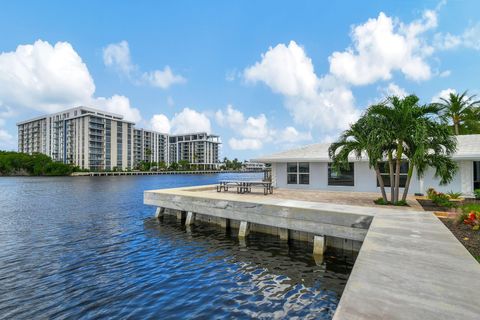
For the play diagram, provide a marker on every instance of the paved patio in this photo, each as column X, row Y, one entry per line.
column 364, row 199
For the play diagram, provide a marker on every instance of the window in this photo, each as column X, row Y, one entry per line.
column 385, row 173
column 342, row 177
column 476, row 175
column 298, row 173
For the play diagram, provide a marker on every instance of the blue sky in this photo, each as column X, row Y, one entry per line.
column 265, row 75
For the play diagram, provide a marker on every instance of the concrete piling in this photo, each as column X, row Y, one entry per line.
column 224, row 222
column 159, row 212
column 244, row 229
column 319, row 245
column 283, row 233
column 190, row 218
column 181, row 215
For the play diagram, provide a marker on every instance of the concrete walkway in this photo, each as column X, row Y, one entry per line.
column 410, row 265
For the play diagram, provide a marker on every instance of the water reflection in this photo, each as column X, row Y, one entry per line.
column 88, row 248
column 264, row 270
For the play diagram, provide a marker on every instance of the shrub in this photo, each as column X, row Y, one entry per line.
column 439, row 198
column 454, row 195
column 380, row 201
column 401, row 203
column 466, row 209
column 430, row 193
column 477, row 193
column 12, row 163
column 473, row 219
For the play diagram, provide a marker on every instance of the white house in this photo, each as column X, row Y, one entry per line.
column 308, row 167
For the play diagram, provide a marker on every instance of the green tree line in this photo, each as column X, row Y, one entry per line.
column 37, row 164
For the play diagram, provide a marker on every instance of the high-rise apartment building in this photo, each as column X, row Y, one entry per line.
column 200, row 148
column 150, row 146
column 89, row 138
column 97, row 140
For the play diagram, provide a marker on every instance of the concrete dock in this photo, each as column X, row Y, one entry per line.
column 410, row 266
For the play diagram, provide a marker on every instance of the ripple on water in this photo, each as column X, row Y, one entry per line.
column 87, row 248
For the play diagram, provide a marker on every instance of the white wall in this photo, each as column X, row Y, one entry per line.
column 366, row 180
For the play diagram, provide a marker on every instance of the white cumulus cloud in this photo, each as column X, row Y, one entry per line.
column 230, row 117
column 117, row 56
column 189, row 120
column 394, row 90
column 7, row 140
column 324, row 103
column 252, row 132
column 286, row 70
column 118, row 104
column 384, row 45
column 291, row 135
column 443, row 94
column 43, row 77
column 50, row 78
column 245, row 144
column 186, row 121
column 163, row 78
column 445, row 74
column 470, row 38
column 160, row 123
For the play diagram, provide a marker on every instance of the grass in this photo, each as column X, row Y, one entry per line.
column 382, row 202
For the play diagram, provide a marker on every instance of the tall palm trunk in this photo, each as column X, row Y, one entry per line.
column 407, row 183
column 392, row 179
column 380, row 182
column 457, row 131
column 397, row 170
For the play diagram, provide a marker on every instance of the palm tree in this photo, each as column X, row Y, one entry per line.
column 358, row 140
column 462, row 112
column 148, row 153
column 396, row 118
column 415, row 136
column 184, row 164
column 431, row 145
column 174, row 166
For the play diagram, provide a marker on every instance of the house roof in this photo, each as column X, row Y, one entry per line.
column 468, row 148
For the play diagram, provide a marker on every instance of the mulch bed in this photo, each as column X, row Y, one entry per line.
column 464, row 233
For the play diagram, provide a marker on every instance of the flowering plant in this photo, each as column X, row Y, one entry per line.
column 473, row 219
column 439, row 198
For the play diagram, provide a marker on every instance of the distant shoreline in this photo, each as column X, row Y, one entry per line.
column 154, row 173
column 132, row 173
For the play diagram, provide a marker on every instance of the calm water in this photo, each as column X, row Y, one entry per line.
column 88, row 248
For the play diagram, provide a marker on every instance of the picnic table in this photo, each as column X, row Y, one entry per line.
column 245, row 186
